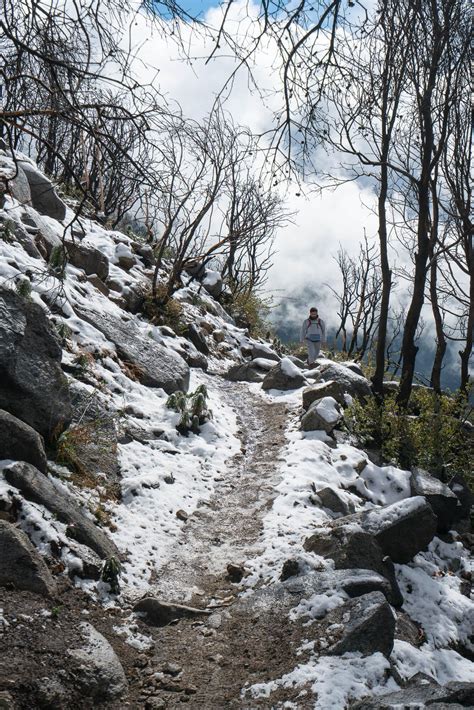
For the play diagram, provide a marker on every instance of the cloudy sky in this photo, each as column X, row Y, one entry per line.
column 304, row 249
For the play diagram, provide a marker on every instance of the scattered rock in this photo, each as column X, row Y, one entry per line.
column 6, row 701
column 351, row 383
column 213, row 283
column 95, row 451
column 99, row 285
column 18, row 185
column 43, row 195
column 19, row 442
column 50, row 693
column 351, row 548
column 444, row 502
column 422, row 692
column 290, row 568
column 235, row 572
column 363, row 625
column 88, row 258
column 195, row 359
column 160, row 613
column 284, row 376
column 219, row 336
column 90, row 563
column 464, row 494
column 258, row 350
column 124, row 257
column 323, row 389
column 99, row 673
column 334, row 501
column 282, row 596
column 323, row 414
column 145, row 251
column 182, row 515
column 32, row 386
column 158, row 366
column 39, row 489
column 402, row 529
column 21, row 565
column 197, row 338
column 407, row 630
column 248, row 372
column 172, row 669
column 133, row 298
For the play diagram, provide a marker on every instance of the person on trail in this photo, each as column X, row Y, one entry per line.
column 313, row 333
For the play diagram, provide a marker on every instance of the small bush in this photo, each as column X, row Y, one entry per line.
column 168, row 313
column 58, row 261
column 250, row 311
column 433, row 433
column 111, row 572
column 23, row 288
column 193, row 409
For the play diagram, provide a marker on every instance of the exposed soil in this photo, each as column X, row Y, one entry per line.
column 211, row 658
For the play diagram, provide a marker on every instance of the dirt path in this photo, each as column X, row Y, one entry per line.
column 225, row 529
column 217, row 656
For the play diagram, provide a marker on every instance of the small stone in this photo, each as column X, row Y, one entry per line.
column 182, row 515
column 235, row 572
column 215, row 621
column 190, row 690
column 172, row 669
column 290, row 569
column 169, row 478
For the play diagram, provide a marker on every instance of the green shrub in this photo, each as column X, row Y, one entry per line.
column 58, row 261
column 433, row 433
column 23, row 288
column 192, row 407
column 111, row 572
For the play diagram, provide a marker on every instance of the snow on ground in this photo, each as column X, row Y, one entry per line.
column 431, row 590
column 164, row 476
column 334, row 681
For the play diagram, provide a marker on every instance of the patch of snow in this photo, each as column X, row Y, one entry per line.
column 211, row 278
column 334, row 681
column 432, row 595
column 318, row 605
column 328, row 409
column 132, row 636
column 289, row 368
column 443, row 665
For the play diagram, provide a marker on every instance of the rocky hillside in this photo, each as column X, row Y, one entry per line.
column 183, row 515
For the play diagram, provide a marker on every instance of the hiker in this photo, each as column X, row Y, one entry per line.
column 313, row 333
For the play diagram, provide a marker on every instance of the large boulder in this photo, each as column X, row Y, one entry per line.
column 364, row 625
column 21, row 565
column 282, row 596
column 323, row 389
column 284, row 376
column 402, row 529
column 88, row 258
column 36, row 487
column 444, row 502
column 32, row 385
column 324, row 414
column 351, row 548
column 351, row 383
column 18, row 441
column 95, row 452
column 98, row 672
column 157, row 365
column 43, row 194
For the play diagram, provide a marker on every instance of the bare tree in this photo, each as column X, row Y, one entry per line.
column 359, row 299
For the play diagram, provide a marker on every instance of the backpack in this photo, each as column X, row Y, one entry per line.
column 314, row 337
